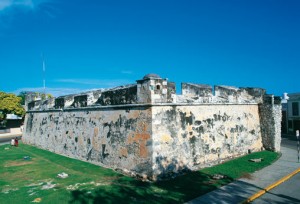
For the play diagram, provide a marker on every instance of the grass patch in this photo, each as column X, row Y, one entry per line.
column 240, row 167
column 23, row 181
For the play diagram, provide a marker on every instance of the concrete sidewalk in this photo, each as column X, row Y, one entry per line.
column 242, row 189
column 5, row 138
column 9, row 135
column 12, row 132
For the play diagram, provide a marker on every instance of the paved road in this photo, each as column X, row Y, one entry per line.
column 287, row 192
column 289, row 141
column 242, row 189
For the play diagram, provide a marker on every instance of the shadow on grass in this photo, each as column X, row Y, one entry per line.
column 178, row 190
column 128, row 190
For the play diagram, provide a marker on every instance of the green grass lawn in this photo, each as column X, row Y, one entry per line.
column 24, row 181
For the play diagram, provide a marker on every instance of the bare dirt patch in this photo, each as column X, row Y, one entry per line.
column 17, row 163
column 247, row 176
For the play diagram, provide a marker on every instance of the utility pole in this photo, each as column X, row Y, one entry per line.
column 298, row 146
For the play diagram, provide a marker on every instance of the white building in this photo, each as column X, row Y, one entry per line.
column 293, row 113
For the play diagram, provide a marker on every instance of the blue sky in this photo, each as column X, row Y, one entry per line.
column 89, row 44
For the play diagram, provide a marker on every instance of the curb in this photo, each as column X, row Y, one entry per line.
column 5, row 136
column 268, row 188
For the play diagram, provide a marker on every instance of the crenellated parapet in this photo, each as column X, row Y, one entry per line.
column 202, row 93
column 230, row 94
column 152, row 89
column 196, row 90
column 118, row 96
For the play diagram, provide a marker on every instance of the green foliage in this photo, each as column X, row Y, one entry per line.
column 239, row 167
column 22, row 181
column 10, row 103
column 22, row 95
column 46, row 96
column 2, row 116
column 49, row 95
column 3, row 123
column 37, row 95
column 43, row 96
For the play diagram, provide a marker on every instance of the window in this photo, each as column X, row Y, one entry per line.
column 295, row 108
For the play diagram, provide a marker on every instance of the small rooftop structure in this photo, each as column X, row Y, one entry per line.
column 151, row 76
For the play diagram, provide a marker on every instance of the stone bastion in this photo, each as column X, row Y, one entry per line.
column 148, row 131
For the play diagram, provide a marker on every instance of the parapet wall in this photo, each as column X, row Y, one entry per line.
column 146, row 130
column 203, row 93
column 147, row 92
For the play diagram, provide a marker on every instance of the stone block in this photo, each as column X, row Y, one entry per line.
column 59, row 103
column 196, row 90
column 80, row 101
column 226, row 94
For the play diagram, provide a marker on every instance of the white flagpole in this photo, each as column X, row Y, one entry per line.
column 44, row 75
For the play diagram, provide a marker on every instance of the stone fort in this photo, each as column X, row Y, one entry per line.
column 148, row 131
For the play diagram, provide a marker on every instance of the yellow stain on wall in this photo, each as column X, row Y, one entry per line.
column 166, row 138
column 96, row 131
column 141, row 139
column 189, row 128
column 95, row 141
column 123, row 152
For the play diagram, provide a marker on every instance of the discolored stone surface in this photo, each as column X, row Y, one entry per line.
column 148, row 131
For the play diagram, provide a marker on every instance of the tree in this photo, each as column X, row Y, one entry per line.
column 22, row 95
column 45, row 96
column 10, row 103
column 36, row 95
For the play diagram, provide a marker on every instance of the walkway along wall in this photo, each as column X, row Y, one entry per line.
column 148, row 131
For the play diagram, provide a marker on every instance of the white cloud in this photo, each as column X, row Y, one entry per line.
column 9, row 9
column 97, row 84
column 54, row 91
column 5, row 4
column 25, row 4
column 105, row 83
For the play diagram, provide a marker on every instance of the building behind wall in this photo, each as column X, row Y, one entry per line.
column 293, row 113
column 146, row 130
column 284, row 121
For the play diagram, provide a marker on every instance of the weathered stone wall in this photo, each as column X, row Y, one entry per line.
column 155, row 90
column 149, row 141
column 147, row 130
column 111, row 137
column 196, row 90
column 201, row 93
column 193, row 137
column 270, row 120
column 119, row 95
